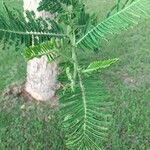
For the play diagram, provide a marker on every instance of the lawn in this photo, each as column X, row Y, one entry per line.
column 27, row 125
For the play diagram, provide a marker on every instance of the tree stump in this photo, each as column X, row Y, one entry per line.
column 41, row 81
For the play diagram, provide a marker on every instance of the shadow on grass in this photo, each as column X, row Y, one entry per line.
column 28, row 125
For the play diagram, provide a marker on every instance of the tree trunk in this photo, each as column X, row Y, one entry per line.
column 41, row 81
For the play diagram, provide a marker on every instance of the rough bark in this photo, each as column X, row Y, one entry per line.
column 41, row 81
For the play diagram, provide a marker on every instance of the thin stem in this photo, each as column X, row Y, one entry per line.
column 81, row 86
column 77, row 72
column 74, row 57
column 33, row 40
column 84, row 99
column 33, row 33
column 74, row 64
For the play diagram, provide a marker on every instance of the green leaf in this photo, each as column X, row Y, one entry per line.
column 119, row 6
column 97, row 65
column 50, row 49
column 14, row 26
column 86, row 114
column 53, row 49
column 123, row 19
column 54, row 6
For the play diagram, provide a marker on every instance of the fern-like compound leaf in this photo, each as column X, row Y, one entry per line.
column 53, row 48
column 97, row 65
column 86, row 115
column 55, row 6
column 123, row 19
column 50, row 49
column 14, row 26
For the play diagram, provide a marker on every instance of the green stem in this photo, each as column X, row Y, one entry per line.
column 84, row 99
column 74, row 64
column 74, row 57
column 77, row 72
column 32, row 33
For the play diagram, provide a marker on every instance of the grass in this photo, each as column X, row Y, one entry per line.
column 33, row 126
column 129, row 84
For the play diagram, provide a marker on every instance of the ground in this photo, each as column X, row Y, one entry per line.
column 29, row 125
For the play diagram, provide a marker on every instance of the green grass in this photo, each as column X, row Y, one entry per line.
column 129, row 84
column 28, row 126
column 33, row 126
